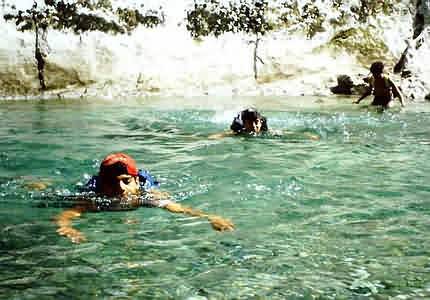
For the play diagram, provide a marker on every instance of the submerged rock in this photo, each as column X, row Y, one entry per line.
column 344, row 85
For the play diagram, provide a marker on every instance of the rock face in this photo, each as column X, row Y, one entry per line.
column 290, row 63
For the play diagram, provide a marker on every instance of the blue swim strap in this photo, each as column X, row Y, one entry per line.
column 147, row 181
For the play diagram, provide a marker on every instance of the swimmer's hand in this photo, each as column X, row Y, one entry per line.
column 311, row 136
column 217, row 136
column 64, row 222
column 221, row 224
column 308, row 135
column 174, row 207
column 37, row 185
column 75, row 236
column 218, row 223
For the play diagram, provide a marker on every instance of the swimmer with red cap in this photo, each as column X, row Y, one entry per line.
column 118, row 176
column 123, row 187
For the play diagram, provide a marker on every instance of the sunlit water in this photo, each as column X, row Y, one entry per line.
column 342, row 217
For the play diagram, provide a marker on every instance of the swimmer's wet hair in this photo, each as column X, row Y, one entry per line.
column 118, row 162
column 112, row 171
column 248, row 114
column 108, row 175
column 377, row 67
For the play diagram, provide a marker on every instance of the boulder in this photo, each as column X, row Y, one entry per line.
column 344, row 85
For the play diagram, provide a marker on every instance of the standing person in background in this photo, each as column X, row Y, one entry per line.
column 382, row 87
column 121, row 186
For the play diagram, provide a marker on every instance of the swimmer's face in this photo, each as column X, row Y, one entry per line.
column 253, row 125
column 122, row 185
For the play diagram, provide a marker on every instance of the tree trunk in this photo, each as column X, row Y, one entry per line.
column 418, row 19
column 40, row 55
column 257, row 40
column 403, row 61
column 421, row 21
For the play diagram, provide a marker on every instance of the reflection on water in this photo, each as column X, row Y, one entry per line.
column 342, row 217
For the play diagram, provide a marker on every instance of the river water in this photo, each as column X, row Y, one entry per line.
column 345, row 216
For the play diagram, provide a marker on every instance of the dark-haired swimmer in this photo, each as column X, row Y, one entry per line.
column 382, row 87
column 121, row 186
column 251, row 122
column 248, row 121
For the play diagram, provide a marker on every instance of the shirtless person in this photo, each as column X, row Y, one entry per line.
column 381, row 87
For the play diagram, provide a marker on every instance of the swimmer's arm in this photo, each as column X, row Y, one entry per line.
column 217, row 136
column 64, row 223
column 311, row 136
column 365, row 94
column 217, row 222
column 308, row 135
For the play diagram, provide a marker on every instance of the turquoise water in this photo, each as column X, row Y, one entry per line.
column 342, row 217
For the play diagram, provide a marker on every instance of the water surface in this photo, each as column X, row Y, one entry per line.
column 342, row 217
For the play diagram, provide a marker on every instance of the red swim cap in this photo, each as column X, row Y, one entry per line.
column 123, row 159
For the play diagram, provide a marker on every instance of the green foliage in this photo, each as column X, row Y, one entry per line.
column 214, row 18
column 92, row 5
column 309, row 17
column 67, row 16
column 77, row 16
column 362, row 42
column 290, row 14
column 28, row 19
column 313, row 19
column 368, row 8
column 363, row 11
column 336, row 4
column 131, row 18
